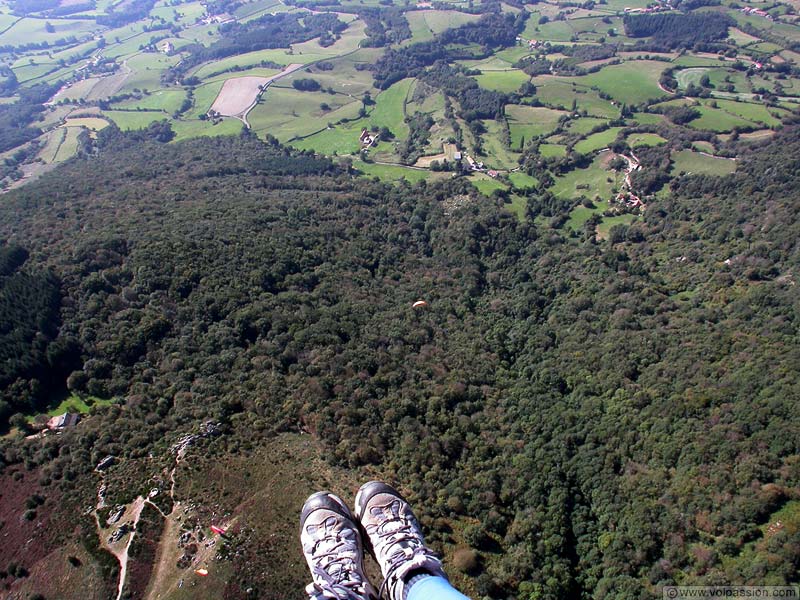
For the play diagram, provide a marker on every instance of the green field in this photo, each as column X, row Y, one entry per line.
column 426, row 23
column 584, row 125
column 204, row 96
column 252, row 72
column 389, row 109
column 596, row 141
column 342, row 139
column 127, row 120
column 146, row 70
column 689, row 60
column 715, row 119
column 75, row 404
column 518, row 206
column 530, row 122
column 53, row 141
column 631, row 82
column 498, row 155
column 690, row 76
column 502, row 81
column 287, row 113
column 250, row 59
column 608, row 222
column 580, row 214
column 485, row 184
column 645, row 139
column 30, row 30
column 395, row 173
column 752, row 112
column 590, row 182
column 703, row 146
column 69, row 145
column 196, row 128
column 553, row 31
column 550, row 150
column 168, row 101
column 522, row 180
column 558, row 92
column 687, row 161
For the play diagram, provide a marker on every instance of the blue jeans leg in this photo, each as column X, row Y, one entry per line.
column 434, row 588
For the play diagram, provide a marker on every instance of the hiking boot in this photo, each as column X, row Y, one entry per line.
column 333, row 550
column 394, row 538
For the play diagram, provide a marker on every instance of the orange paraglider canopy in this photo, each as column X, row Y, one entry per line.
column 202, row 572
column 218, row 530
column 419, row 304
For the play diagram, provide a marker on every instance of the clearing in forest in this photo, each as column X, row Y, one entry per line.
column 239, row 94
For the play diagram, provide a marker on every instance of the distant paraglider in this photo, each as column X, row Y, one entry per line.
column 218, row 530
column 202, row 572
column 419, row 304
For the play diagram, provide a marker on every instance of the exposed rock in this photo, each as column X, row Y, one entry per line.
column 105, row 463
column 116, row 515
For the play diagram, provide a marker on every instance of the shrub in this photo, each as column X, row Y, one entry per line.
column 467, row 560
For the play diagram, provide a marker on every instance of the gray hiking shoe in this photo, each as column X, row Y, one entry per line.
column 333, row 550
column 394, row 537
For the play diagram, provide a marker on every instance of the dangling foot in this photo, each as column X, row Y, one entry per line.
column 333, row 550
column 394, row 537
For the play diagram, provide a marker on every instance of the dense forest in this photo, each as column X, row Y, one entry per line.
column 269, row 31
column 602, row 417
column 673, row 30
column 492, row 31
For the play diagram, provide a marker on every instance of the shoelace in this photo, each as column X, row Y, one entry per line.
column 338, row 580
column 406, row 536
column 398, row 560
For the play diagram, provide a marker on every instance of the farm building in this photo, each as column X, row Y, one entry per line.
column 367, row 139
column 63, row 421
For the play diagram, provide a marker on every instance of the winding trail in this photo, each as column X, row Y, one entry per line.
column 133, row 513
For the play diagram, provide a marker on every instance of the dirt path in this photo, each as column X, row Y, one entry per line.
column 132, row 514
column 167, row 552
column 138, row 505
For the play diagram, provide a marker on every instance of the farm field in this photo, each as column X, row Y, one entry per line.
column 240, row 61
column 30, row 30
column 329, row 120
column 687, row 161
column 714, row 119
column 168, row 101
column 528, row 122
column 645, row 139
column 584, row 125
column 237, row 95
column 631, row 82
column 596, row 141
column 425, row 24
column 485, row 184
column 498, row 155
column 91, row 123
column 502, row 81
column 590, row 182
column 187, row 129
column 396, row 173
column 551, row 150
column 131, row 119
column 608, row 222
column 521, row 180
column 562, row 93
column 287, row 114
